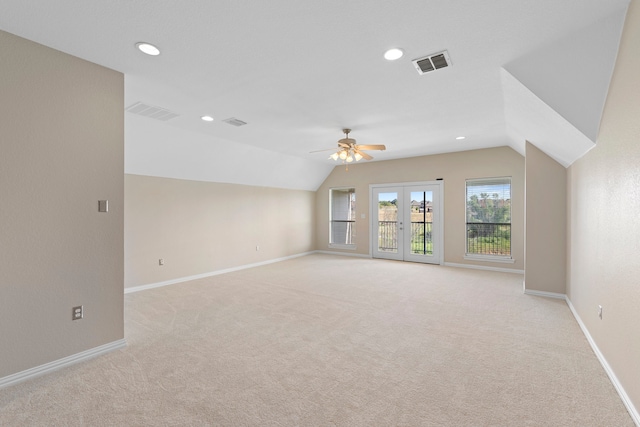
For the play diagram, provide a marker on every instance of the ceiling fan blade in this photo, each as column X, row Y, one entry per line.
column 371, row 147
column 363, row 154
column 326, row 149
column 343, row 145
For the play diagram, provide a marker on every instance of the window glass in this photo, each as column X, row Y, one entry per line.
column 343, row 215
column 488, row 207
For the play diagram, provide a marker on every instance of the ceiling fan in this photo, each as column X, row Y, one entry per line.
column 348, row 150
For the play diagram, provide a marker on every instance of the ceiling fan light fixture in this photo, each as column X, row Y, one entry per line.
column 349, row 152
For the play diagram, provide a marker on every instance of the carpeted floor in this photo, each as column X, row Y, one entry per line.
column 327, row 340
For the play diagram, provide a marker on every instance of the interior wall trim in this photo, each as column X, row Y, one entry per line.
column 483, row 267
column 61, row 363
column 633, row 412
column 343, row 254
column 545, row 294
column 209, row 274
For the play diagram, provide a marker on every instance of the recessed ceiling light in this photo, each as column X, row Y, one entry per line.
column 460, row 137
column 393, row 54
column 207, row 118
column 148, row 48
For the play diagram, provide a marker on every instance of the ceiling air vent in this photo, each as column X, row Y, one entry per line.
column 432, row 62
column 152, row 112
column 235, row 122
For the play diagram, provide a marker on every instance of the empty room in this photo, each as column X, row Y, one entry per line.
column 299, row 213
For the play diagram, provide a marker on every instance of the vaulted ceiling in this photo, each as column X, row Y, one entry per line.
column 298, row 71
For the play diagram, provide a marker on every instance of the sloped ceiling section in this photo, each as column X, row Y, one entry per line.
column 299, row 71
column 167, row 151
column 530, row 119
column 546, row 103
column 186, row 148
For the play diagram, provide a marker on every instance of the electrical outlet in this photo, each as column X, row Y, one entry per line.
column 161, row 261
column 77, row 313
column 600, row 312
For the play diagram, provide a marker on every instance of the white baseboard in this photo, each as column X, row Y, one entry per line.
column 210, row 274
column 60, row 363
column 633, row 412
column 545, row 294
column 483, row 267
column 635, row 416
column 343, row 254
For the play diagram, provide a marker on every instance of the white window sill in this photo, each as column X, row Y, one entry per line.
column 342, row 246
column 490, row 258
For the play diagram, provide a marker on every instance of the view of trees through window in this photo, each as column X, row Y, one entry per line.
column 488, row 206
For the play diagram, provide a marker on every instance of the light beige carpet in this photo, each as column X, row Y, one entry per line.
column 328, row 340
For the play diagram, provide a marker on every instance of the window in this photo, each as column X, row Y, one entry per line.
column 488, row 207
column 343, row 216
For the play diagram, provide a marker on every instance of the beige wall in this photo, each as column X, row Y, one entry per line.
column 201, row 227
column 454, row 168
column 545, row 222
column 61, row 150
column 604, row 210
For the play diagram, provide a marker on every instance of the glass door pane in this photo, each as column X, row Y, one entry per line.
column 422, row 236
column 387, row 223
column 421, row 207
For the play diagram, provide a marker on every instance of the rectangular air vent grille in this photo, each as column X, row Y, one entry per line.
column 432, row 62
column 145, row 110
column 235, row 122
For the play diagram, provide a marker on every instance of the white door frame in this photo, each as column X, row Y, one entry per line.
column 373, row 212
column 375, row 221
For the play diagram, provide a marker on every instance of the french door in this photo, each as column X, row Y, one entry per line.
column 406, row 222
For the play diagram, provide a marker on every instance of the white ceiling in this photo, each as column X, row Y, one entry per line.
column 298, row 71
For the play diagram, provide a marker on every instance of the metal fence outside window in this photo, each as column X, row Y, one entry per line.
column 421, row 237
column 489, row 238
column 388, row 236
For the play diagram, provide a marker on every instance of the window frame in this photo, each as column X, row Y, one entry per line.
column 488, row 257
column 352, row 221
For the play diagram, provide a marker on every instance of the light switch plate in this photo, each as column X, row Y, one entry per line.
column 103, row 206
